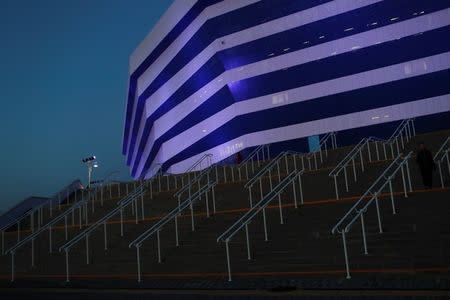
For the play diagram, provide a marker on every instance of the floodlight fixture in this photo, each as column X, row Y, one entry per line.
column 90, row 163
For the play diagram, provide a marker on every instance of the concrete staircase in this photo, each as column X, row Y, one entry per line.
column 416, row 240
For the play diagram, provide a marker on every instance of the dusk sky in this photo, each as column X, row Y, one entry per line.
column 63, row 77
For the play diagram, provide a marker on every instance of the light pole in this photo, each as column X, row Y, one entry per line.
column 90, row 163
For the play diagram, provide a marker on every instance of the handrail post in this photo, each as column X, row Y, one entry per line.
column 79, row 215
column 228, row 260
column 295, row 194
column 207, row 203
column 32, row 252
column 362, row 160
column 121, row 221
column 248, row 242
column 392, row 197
column 65, row 227
column 224, row 174
column 354, row 169
column 448, row 161
column 176, row 230
column 142, row 206
column 336, row 187
column 192, row 217
column 404, row 182
column 408, row 175
column 346, row 180
column 18, row 231
column 378, row 214
column 138, row 256
column 347, row 267
column 440, row 174
column 50, row 238
column 301, row 188
column 3, row 242
column 87, row 249
column 281, row 210
column 67, row 265
column 364, row 234
column 265, row 224
column 104, row 231
column 214, row 198
column 376, row 151
column 159, row 246
column 12, row 266
column 136, row 211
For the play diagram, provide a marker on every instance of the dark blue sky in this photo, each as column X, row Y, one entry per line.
column 63, row 76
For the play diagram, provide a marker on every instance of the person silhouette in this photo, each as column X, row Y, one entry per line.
column 426, row 164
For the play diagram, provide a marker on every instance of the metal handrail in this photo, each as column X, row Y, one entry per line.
column 439, row 158
column 323, row 142
column 357, row 210
column 191, row 182
column 28, row 213
column 348, row 158
column 171, row 215
column 253, row 154
column 406, row 125
column 139, row 191
column 443, row 151
column 199, row 161
column 264, row 170
column 322, row 145
column 252, row 212
column 396, row 164
column 47, row 226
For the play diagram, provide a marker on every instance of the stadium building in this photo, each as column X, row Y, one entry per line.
column 221, row 77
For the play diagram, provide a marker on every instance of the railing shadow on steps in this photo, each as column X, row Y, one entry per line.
column 254, row 210
column 404, row 131
column 357, row 211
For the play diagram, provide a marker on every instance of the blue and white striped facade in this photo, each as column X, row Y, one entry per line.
column 219, row 76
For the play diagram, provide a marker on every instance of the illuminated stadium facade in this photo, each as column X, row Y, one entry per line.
column 223, row 76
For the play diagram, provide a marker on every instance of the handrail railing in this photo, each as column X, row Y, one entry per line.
column 264, row 170
column 403, row 129
column 261, row 150
column 439, row 158
column 49, row 225
column 204, row 157
column 252, row 212
column 360, row 207
column 19, row 219
column 121, row 205
column 131, row 197
column 55, row 220
column 323, row 145
column 172, row 215
column 191, row 182
column 268, row 169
